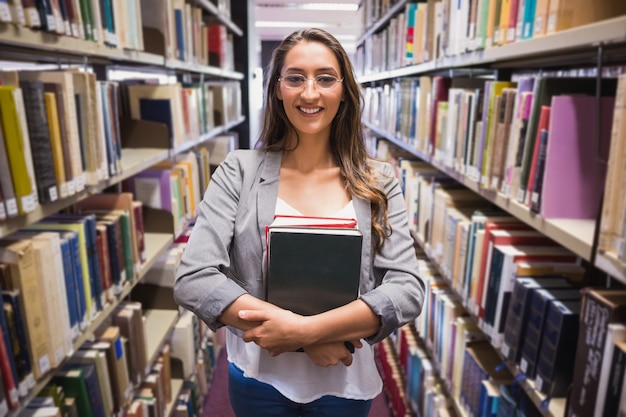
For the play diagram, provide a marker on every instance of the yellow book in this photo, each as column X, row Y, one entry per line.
column 505, row 13
column 14, row 143
column 55, row 142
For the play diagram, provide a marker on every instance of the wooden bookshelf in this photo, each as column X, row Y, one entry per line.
column 158, row 325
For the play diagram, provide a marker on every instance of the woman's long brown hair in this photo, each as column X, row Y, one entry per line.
column 346, row 138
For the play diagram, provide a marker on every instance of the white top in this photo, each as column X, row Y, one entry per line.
column 293, row 374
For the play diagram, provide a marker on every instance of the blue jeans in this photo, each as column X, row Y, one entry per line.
column 252, row 398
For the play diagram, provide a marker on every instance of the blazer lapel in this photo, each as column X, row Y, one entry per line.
column 267, row 195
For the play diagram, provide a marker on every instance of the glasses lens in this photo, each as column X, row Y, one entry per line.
column 294, row 81
column 326, row 81
column 323, row 82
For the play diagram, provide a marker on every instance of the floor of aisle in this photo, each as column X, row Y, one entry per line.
column 217, row 403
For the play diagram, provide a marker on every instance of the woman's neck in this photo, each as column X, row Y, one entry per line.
column 309, row 155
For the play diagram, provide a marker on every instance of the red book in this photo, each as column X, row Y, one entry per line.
column 544, row 124
column 509, row 224
column 440, row 87
column 9, row 383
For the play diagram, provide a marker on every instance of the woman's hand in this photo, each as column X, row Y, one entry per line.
column 332, row 353
column 277, row 331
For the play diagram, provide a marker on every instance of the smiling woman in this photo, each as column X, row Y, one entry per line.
column 311, row 160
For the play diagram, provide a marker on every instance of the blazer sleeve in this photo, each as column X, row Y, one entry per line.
column 399, row 297
column 201, row 284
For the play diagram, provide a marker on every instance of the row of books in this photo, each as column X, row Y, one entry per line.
column 188, row 110
column 33, row 346
column 428, row 30
column 523, row 139
column 65, row 269
column 506, row 286
column 96, row 380
column 111, row 22
column 62, row 131
column 175, row 29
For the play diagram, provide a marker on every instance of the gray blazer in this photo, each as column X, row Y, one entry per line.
column 225, row 255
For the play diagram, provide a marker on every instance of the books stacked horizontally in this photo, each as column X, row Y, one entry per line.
column 314, row 263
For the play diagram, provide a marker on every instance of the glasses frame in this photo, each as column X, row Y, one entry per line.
column 314, row 79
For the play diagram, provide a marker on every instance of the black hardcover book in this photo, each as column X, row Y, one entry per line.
column 540, row 300
column 515, row 330
column 39, row 134
column 312, row 270
column 556, row 356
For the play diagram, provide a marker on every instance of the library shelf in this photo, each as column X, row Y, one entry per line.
column 158, row 325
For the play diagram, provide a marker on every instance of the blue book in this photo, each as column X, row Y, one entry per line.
column 88, row 222
column 180, row 33
column 70, row 285
column 79, row 287
column 157, row 110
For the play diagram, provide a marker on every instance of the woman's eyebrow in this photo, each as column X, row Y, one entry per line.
column 325, row 69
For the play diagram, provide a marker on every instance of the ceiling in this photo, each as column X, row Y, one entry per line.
column 275, row 19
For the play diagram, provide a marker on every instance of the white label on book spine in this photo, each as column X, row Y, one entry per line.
column 23, row 388
column 523, row 365
column 19, row 13
column 505, row 350
column 71, row 187
column 80, row 182
column 510, row 37
column 44, row 364
column 520, row 196
column 14, row 396
column 59, row 354
column 29, row 203
column 5, row 12
column 33, row 15
column 52, row 193
column 4, row 409
column 75, row 31
column 538, row 382
column 63, row 190
column 51, row 25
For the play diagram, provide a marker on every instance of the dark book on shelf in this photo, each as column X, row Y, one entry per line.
column 517, row 313
column 92, row 384
column 540, row 299
column 600, row 307
column 313, row 269
column 39, row 135
column 556, row 356
column 75, row 386
column 157, row 110
column 17, row 331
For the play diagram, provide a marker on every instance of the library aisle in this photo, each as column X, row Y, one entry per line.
column 217, row 403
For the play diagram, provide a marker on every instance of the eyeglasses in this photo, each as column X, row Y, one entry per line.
column 322, row 82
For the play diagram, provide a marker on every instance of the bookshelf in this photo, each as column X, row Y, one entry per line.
column 31, row 48
column 594, row 50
